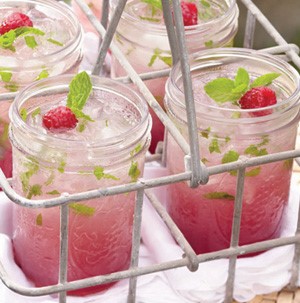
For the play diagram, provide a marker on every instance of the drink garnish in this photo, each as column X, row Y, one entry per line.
column 219, row 195
column 241, row 92
column 59, row 119
column 13, row 21
column 189, row 13
column 159, row 54
column 18, row 25
column 62, row 118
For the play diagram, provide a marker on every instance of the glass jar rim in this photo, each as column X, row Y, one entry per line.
column 234, row 53
column 160, row 28
column 64, row 10
column 104, row 84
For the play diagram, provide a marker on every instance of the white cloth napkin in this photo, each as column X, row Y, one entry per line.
column 262, row 274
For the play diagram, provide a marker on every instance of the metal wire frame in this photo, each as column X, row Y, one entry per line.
column 194, row 173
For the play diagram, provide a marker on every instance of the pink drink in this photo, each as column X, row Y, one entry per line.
column 57, row 51
column 107, row 152
column 95, row 6
column 227, row 133
column 142, row 36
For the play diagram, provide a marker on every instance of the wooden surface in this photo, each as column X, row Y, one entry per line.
column 284, row 296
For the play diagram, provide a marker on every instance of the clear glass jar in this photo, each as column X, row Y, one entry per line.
column 109, row 151
column 58, row 50
column 143, row 38
column 227, row 133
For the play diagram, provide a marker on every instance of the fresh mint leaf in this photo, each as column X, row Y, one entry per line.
column 220, row 90
column 80, row 114
column 134, row 171
column 255, row 151
column 36, row 112
column 30, row 42
column 155, row 4
column 53, row 192
column 264, row 80
column 61, row 166
column 214, row 146
column 288, row 164
column 159, row 54
column 209, row 44
column 253, row 172
column 136, row 150
column 150, row 19
column 5, row 76
column 219, row 195
column 23, row 114
column 43, row 75
column 205, row 133
column 100, row 174
column 242, row 78
column 39, row 220
column 80, row 90
column 205, row 3
column 27, row 30
column 12, row 87
column 7, row 40
column 82, row 209
column 34, row 190
column 230, row 156
column 55, row 42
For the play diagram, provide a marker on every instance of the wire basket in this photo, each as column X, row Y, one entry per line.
column 195, row 174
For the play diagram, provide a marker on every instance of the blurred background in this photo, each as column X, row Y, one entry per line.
column 283, row 14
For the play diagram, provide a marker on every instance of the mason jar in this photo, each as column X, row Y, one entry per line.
column 50, row 47
column 227, row 133
column 105, row 151
column 141, row 35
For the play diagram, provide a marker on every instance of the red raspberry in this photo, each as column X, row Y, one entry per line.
column 189, row 13
column 14, row 21
column 59, row 119
column 258, row 97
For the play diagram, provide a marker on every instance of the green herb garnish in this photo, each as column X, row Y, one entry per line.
column 5, row 76
column 158, row 54
column 134, row 171
column 55, row 42
column 8, row 39
column 34, row 190
column 23, row 114
column 81, row 209
column 53, row 192
column 214, row 146
column 219, row 195
column 155, row 5
column 224, row 90
column 100, row 174
column 80, row 90
column 43, row 74
column 39, row 220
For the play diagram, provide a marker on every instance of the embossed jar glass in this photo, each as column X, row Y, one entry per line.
column 110, row 151
column 143, row 38
column 227, row 133
column 56, row 49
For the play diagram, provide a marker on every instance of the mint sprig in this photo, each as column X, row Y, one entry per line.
column 80, row 90
column 224, row 89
